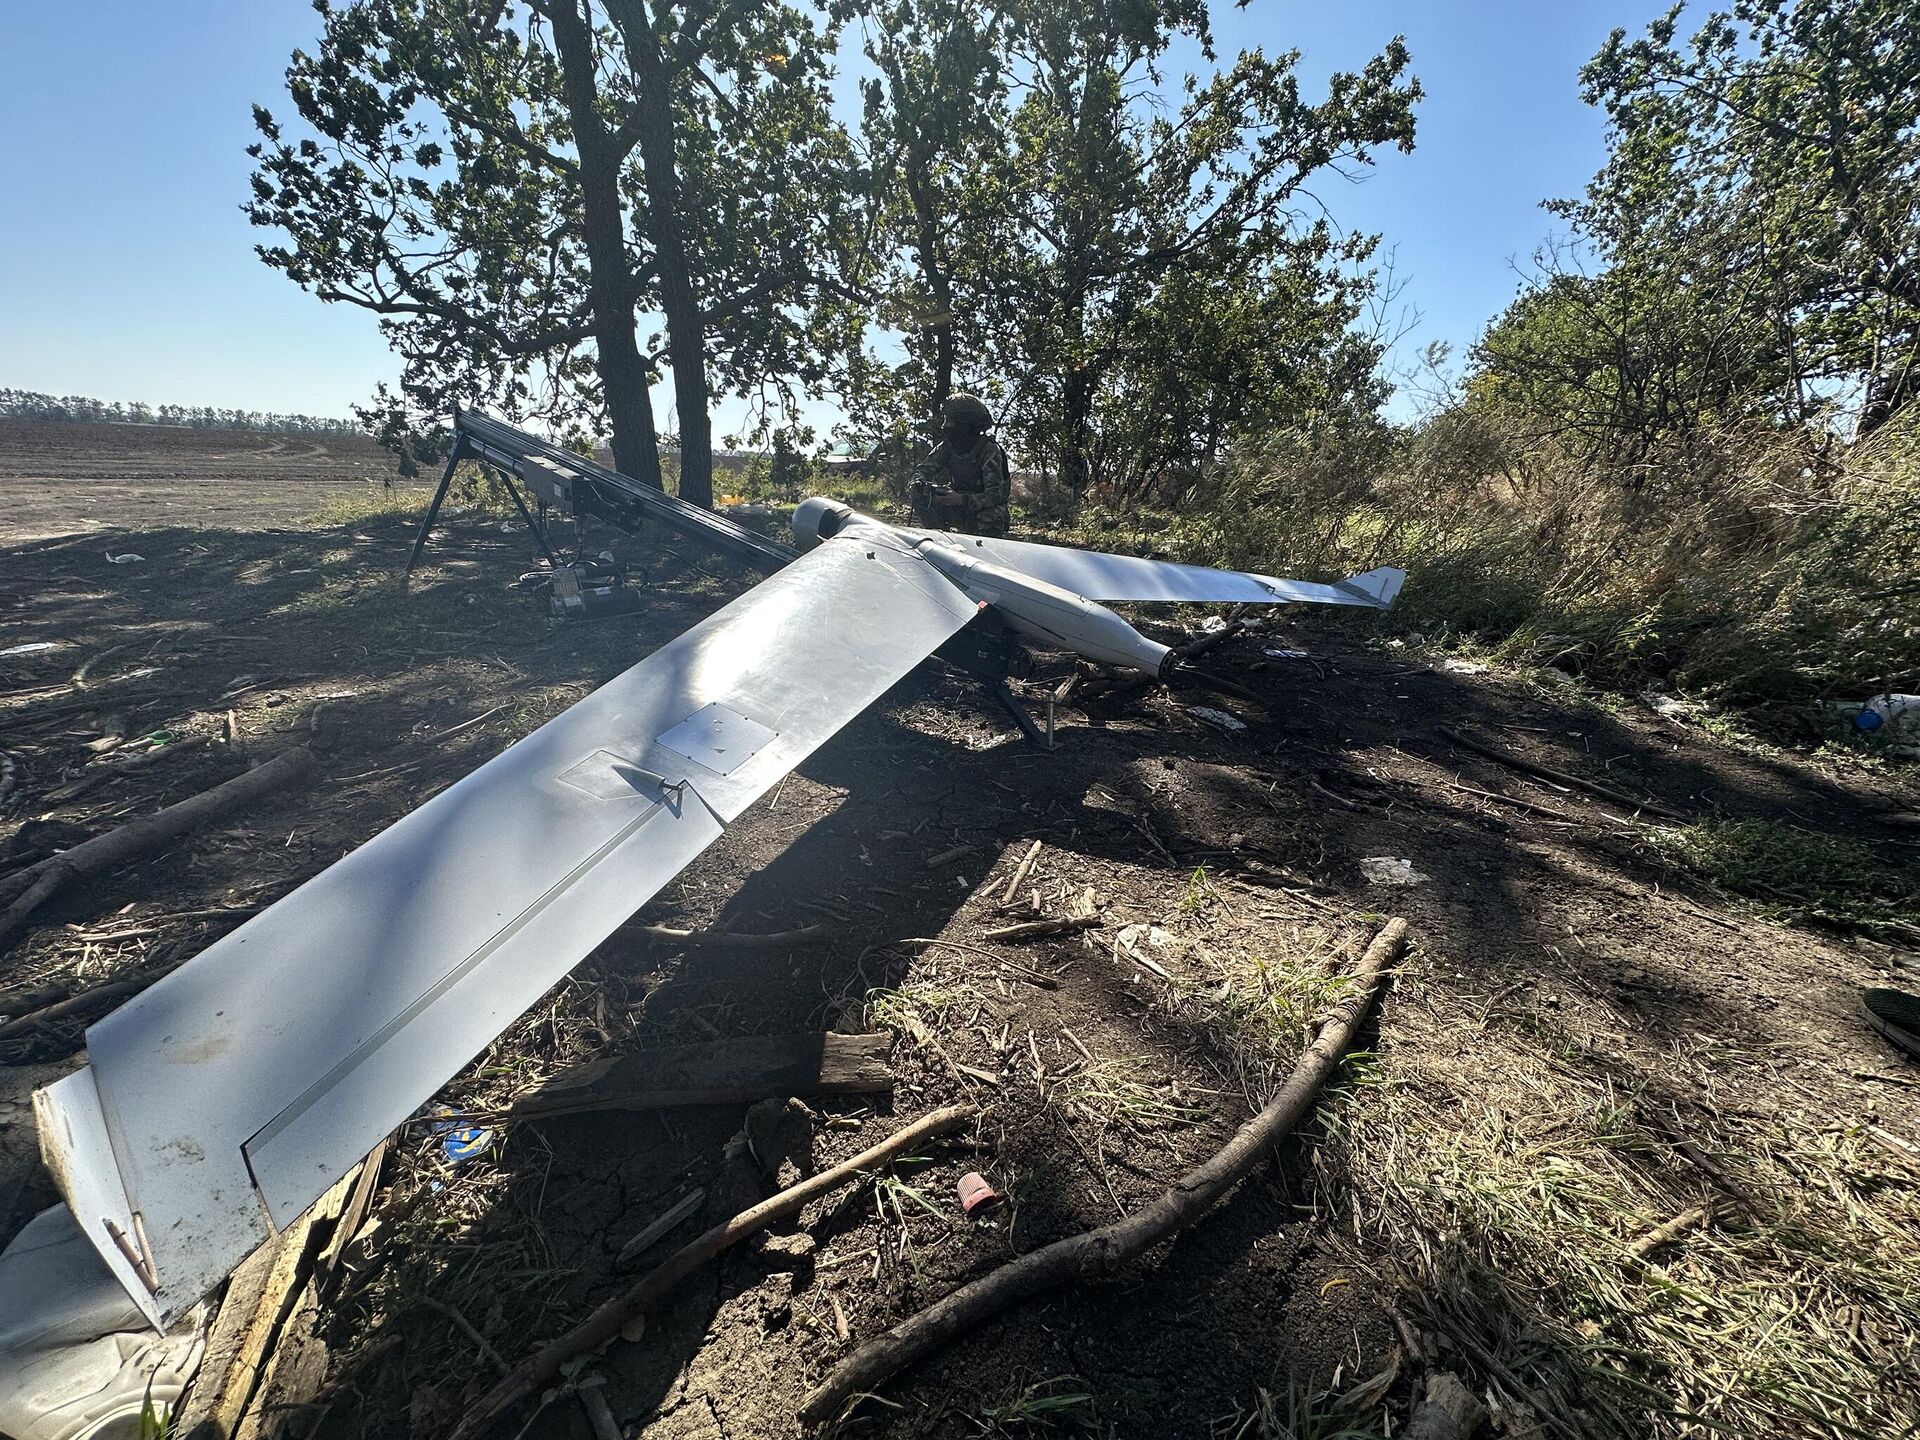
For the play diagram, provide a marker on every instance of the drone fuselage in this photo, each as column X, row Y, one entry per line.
column 1044, row 612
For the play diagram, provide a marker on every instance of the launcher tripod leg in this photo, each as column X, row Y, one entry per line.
column 538, row 527
column 433, row 507
column 1019, row 712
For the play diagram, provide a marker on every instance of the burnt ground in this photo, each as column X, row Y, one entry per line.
column 1585, row 1040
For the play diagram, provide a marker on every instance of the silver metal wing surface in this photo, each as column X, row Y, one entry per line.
column 1099, row 576
column 221, row 1102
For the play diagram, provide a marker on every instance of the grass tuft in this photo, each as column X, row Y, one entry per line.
column 1801, row 876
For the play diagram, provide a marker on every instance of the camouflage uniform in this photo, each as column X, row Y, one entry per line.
column 963, row 484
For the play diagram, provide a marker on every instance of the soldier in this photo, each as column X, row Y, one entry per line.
column 963, row 483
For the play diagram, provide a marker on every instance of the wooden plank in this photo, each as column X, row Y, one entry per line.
column 353, row 1214
column 735, row 1070
column 282, row 1407
column 261, row 1295
column 230, row 1327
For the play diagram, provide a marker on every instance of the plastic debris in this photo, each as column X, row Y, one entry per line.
column 1388, row 870
column 976, row 1194
column 1219, row 719
column 1668, row 708
column 1465, row 667
column 76, row 1357
column 1213, row 624
column 33, row 647
column 127, row 559
column 459, row 1141
column 1155, row 935
column 1890, row 721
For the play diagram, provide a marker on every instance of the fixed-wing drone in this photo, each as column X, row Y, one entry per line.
column 221, row 1102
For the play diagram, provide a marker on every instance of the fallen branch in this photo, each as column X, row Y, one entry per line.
column 73, row 1005
column 135, row 841
column 18, row 1002
column 100, row 774
column 612, row 1318
column 1561, row 777
column 1689, row 1219
column 1209, row 639
column 1033, row 929
column 1020, row 874
column 1099, row 1254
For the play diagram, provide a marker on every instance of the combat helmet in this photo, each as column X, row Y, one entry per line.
column 967, row 410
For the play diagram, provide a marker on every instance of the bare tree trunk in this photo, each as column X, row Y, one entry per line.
column 623, row 374
column 939, row 286
column 1076, row 432
column 686, row 324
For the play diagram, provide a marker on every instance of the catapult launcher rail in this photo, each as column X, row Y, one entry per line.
column 221, row 1101
column 561, row 481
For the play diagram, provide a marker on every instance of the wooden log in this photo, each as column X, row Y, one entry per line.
column 140, row 838
column 73, row 1005
column 1099, row 1254
column 613, row 1318
column 211, row 1410
column 735, row 1070
column 1561, row 777
column 290, row 1383
column 672, row 937
column 21, row 1002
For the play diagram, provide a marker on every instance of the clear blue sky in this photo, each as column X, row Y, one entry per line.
column 127, row 270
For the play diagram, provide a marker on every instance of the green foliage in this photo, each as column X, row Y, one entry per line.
column 1744, row 575
column 1759, row 211
column 32, row 405
column 1130, row 278
column 484, row 195
column 1801, row 875
column 1160, row 291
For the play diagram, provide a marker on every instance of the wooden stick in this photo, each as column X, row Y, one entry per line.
column 100, row 774
column 1689, row 1219
column 137, row 840
column 16, row 1003
column 1020, row 874
column 656, row 1232
column 1098, row 1254
column 1207, row 639
column 611, row 1319
column 1032, row 929
column 1561, row 777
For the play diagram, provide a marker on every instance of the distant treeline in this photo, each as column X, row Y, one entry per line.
column 31, row 405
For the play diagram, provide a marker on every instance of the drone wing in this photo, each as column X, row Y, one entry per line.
column 1099, row 576
column 221, row 1102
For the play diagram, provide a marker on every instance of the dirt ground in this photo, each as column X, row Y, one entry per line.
column 1585, row 1041
column 61, row 478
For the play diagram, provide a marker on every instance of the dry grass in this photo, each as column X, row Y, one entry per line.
column 1499, row 1176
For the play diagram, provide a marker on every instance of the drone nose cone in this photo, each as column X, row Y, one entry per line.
column 819, row 518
